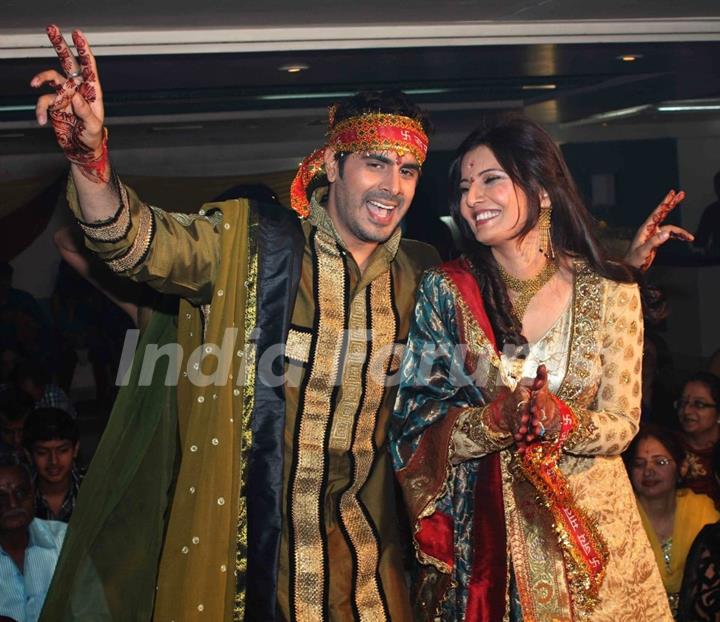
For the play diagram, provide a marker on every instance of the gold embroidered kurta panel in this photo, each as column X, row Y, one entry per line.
column 341, row 555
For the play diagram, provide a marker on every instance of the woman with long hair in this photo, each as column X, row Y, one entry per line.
column 520, row 388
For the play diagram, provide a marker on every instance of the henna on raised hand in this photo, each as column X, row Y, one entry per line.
column 652, row 226
column 69, row 127
column 62, row 50
column 87, row 88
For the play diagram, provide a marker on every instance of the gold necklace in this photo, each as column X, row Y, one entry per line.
column 526, row 288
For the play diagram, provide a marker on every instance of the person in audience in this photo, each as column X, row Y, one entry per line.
column 659, row 381
column 700, row 591
column 23, row 324
column 714, row 363
column 707, row 238
column 33, row 379
column 697, row 411
column 14, row 408
column 8, row 360
column 671, row 516
column 29, row 547
column 51, row 437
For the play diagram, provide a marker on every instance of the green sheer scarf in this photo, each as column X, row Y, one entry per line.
column 108, row 563
column 160, row 527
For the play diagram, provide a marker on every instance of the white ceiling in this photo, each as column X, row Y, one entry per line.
column 162, row 14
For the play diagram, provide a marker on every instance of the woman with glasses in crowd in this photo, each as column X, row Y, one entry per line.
column 671, row 516
column 697, row 411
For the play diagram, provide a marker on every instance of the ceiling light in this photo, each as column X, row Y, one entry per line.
column 689, row 108
column 538, row 87
column 17, row 108
column 623, row 112
column 175, row 128
column 294, row 68
column 337, row 94
column 629, row 58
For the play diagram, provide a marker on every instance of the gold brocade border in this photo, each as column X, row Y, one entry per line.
column 532, row 578
column 475, row 337
column 383, row 329
column 537, row 562
column 297, row 346
column 308, row 571
column 587, row 308
column 139, row 248
column 246, row 375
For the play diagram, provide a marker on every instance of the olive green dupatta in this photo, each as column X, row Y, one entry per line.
column 160, row 525
column 115, row 536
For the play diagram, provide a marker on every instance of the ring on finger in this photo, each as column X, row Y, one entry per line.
column 74, row 74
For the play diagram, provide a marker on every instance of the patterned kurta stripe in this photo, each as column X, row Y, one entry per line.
column 308, row 475
column 369, row 602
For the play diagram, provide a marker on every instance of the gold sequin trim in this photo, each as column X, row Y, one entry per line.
column 247, row 374
column 362, row 537
column 297, row 347
column 579, row 385
column 477, row 428
column 139, row 248
column 308, row 558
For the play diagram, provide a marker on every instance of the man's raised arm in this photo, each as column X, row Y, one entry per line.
column 77, row 114
column 175, row 254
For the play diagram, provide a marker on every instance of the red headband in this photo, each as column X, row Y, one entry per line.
column 373, row 131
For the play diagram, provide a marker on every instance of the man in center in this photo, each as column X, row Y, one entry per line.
column 285, row 477
column 341, row 553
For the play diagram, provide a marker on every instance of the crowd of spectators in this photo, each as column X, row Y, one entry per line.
column 673, row 462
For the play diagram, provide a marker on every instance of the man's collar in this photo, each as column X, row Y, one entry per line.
column 40, row 535
column 321, row 219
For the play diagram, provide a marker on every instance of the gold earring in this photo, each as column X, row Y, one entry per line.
column 544, row 223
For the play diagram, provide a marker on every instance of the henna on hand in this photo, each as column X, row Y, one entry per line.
column 87, row 88
column 61, row 49
column 69, row 127
column 652, row 227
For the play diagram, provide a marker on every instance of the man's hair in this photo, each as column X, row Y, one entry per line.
column 9, row 460
column 14, row 405
column 387, row 102
column 33, row 370
column 49, row 424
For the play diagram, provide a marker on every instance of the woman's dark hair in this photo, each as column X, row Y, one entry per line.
column 711, row 381
column 664, row 436
column 534, row 163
